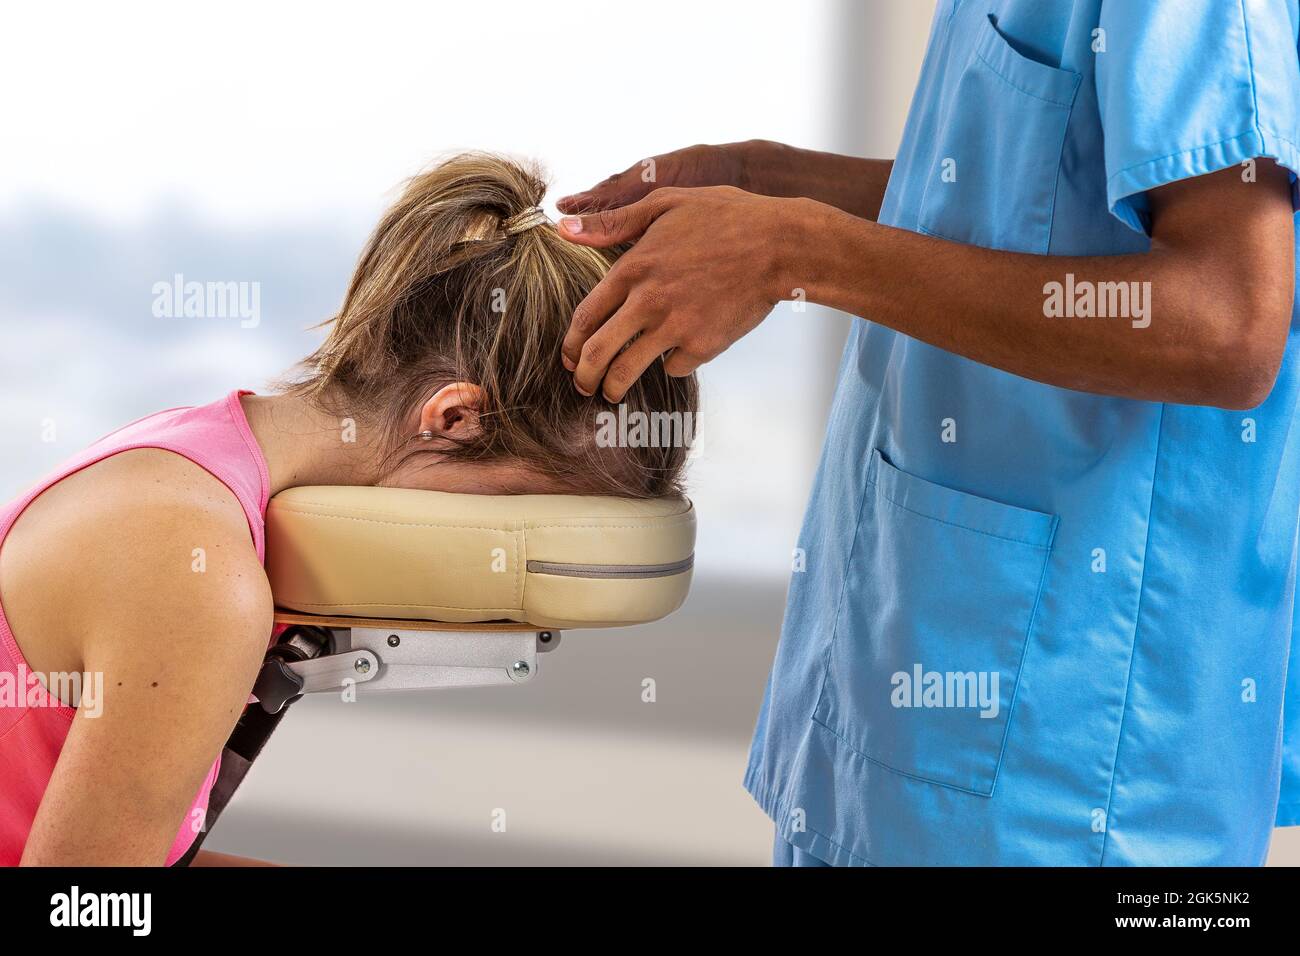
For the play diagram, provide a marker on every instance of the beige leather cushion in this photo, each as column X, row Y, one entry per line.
column 550, row 560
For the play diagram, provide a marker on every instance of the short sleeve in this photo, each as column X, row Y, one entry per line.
column 1188, row 87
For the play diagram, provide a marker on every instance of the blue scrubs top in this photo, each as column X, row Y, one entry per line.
column 1034, row 625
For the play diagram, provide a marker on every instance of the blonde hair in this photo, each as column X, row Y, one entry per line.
column 444, row 293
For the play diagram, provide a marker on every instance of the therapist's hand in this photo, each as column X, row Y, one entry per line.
column 761, row 166
column 705, row 270
column 693, row 166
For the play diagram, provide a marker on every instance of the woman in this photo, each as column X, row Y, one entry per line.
column 140, row 560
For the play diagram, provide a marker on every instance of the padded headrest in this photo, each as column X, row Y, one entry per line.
column 550, row 560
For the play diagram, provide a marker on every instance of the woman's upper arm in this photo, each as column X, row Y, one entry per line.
column 178, row 642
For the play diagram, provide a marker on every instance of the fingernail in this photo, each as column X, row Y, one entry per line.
column 568, row 362
column 568, row 200
column 582, row 391
column 572, row 224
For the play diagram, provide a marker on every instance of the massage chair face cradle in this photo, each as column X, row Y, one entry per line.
column 390, row 589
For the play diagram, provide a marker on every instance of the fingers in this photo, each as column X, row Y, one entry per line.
column 630, row 365
column 602, row 350
column 592, row 313
column 609, row 227
column 618, row 190
column 679, row 363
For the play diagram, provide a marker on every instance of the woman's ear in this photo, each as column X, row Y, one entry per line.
column 452, row 412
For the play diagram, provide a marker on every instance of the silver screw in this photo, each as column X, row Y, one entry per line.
column 519, row 670
column 362, row 666
column 393, row 640
column 545, row 637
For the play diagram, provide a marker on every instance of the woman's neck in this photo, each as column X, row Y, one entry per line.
column 304, row 445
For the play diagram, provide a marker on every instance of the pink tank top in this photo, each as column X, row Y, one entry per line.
column 34, row 725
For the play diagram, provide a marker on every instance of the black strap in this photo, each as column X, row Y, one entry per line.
column 275, row 689
column 246, row 742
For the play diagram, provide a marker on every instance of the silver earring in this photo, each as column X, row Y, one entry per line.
column 425, row 436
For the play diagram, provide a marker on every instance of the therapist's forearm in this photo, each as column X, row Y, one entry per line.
column 1205, row 344
column 849, row 183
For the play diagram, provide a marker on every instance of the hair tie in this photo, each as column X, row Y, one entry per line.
column 486, row 227
column 523, row 221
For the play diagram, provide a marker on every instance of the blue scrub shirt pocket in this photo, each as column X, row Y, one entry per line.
column 998, row 153
column 938, row 604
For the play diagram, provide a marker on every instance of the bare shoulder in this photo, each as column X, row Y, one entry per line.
column 141, row 574
column 140, row 542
